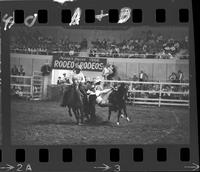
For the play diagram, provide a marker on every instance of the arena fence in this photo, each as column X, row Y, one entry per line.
column 37, row 85
column 147, row 93
column 156, row 93
column 22, row 85
column 28, row 86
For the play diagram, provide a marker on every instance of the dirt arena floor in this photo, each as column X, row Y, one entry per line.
column 46, row 123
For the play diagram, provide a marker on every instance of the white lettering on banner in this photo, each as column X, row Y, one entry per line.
column 85, row 65
column 94, row 66
column 101, row 66
column 64, row 64
column 71, row 64
column 76, row 17
column 33, row 18
column 56, row 62
column 9, row 21
column 67, row 64
column 125, row 14
column 90, row 64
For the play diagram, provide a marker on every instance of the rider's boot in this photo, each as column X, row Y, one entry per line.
column 127, row 118
column 122, row 115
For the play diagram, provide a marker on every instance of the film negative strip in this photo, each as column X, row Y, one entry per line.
column 98, row 86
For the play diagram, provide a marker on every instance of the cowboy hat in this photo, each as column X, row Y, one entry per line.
column 78, row 67
column 88, row 79
column 98, row 79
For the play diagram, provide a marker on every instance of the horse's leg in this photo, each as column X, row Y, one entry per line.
column 87, row 111
column 86, row 114
column 81, row 114
column 93, row 112
column 69, row 110
column 125, row 112
column 119, row 114
column 64, row 99
column 92, row 108
column 76, row 115
column 109, row 113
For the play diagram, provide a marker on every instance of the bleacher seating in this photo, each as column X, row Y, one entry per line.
column 150, row 46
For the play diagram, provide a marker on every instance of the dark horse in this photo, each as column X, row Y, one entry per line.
column 73, row 98
column 117, row 99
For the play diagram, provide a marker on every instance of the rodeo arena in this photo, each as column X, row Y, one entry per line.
column 99, row 86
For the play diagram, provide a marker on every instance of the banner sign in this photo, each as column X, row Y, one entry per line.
column 87, row 63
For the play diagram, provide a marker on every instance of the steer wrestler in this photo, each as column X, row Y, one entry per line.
column 95, row 97
column 97, row 90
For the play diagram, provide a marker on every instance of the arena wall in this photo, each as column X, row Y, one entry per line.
column 156, row 69
column 30, row 63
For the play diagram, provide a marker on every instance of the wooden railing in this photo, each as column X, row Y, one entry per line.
column 149, row 93
column 142, row 92
column 30, row 86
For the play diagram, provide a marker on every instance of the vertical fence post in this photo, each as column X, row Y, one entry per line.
column 131, row 99
column 31, row 87
column 160, row 94
column 23, row 80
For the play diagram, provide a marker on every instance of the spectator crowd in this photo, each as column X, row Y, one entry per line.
column 18, row 70
column 34, row 42
column 153, row 90
column 150, row 45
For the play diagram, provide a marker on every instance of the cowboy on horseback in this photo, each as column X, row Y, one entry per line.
column 75, row 96
column 76, row 77
column 78, row 74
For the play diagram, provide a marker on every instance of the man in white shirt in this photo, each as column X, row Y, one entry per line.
column 98, row 91
column 173, row 77
column 180, row 76
column 64, row 77
column 78, row 75
column 141, row 76
column 105, row 72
